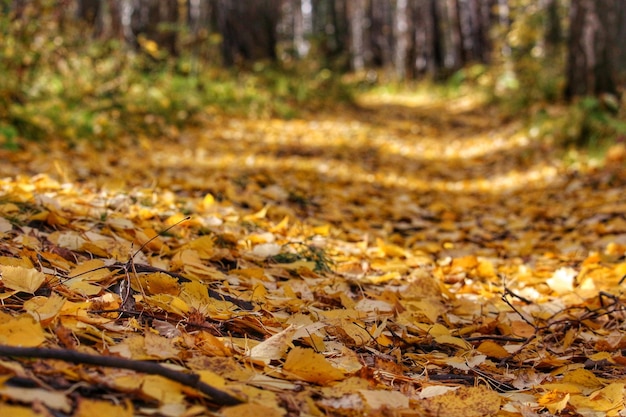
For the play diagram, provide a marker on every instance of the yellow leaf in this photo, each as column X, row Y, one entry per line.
column 438, row 330
column 600, row 356
column 554, row 401
column 17, row 411
column 311, row 366
column 431, row 308
column 208, row 201
column 195, row 294
column 274, row 347
column 583, row 377
column 91, row 408
column 251, row 410
column 174, row 219
column 492, row 349
column 24, row 262
column 258, row 273
column 22, row 279
column 379, row 279
column 389, row 249
column 44, row 309
column 203, row 246
column 133, row 347
column 169, row 303
column 210, row 345
column 485, row 269
column 93, row 270
column 211, row 378
column 162, row 389
column 20, row 331
column 454, row 341
column 149, row 238
column 258, row 215
column 609, row 399
column 323, row 230
column 466, row 402
column 158, row 283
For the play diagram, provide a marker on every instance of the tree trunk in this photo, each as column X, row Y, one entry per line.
column 426, row 56
column 553, row 31
column 592, row 54
column 402, row 37
column 356, row 15
column 381, row 38
column 621, row 61
column 248, row 30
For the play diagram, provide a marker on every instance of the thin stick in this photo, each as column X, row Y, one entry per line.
column 188, row 379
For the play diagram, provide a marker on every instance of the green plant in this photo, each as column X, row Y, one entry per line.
column 308, row 252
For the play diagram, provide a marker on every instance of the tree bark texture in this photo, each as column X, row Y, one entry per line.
column 592, row 49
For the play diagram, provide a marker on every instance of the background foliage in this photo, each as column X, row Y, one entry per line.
column 67, row 73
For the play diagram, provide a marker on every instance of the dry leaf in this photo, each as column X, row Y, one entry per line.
column 18, row 278
column 53, row 399
column 384, row 399
column 465, row 401
column 311, row 366
column 21, row 331
column 273, row 348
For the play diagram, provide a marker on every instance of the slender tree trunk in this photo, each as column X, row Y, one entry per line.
column 621, row 44
column 426, row 56
column 455, row 47
column 553, row 31
column 592, row 56
column 356, row 15
column 402, row 36
column 88, row 11
column 382, row 36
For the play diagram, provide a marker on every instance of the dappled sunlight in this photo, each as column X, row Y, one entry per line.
column 318, row 243
column 345, row 171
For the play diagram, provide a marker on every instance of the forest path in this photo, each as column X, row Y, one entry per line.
column 405, row 248
column 425, row 172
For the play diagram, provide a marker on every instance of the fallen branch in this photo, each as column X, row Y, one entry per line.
column 188, row 379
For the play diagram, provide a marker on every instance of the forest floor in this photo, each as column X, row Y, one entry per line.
column 407, row 257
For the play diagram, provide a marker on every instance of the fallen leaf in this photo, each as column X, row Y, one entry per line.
column 251, row 410
column 273, row 348
column 377, row 400
column 90, row 408
column 44, row 309
column 21, row 279
column 554, row 401
column 54, row 399
column 311, row 366
column 493, row 350
column 465, row 401
column 22, row 331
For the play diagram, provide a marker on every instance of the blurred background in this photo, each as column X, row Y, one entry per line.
column 98, row 69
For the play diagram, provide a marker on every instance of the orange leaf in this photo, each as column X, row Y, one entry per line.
column 492, row 349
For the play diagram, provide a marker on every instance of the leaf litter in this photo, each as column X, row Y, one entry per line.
column 402, row 259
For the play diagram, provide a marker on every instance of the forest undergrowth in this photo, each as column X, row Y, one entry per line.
column 402, row 257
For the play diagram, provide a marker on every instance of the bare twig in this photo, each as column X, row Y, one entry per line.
column 67, row 355
column 495, row 337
